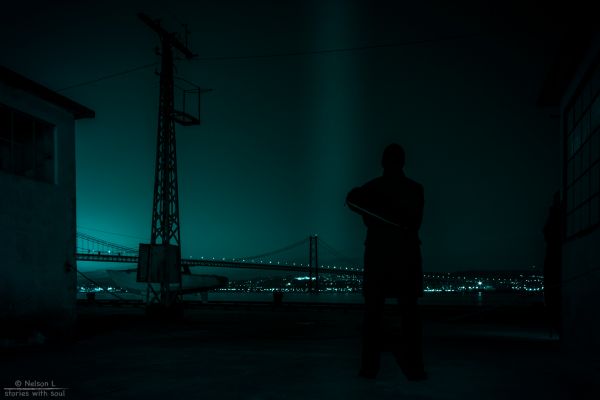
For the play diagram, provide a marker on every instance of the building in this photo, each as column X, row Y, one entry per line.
column 573, row 87
column 38, row 274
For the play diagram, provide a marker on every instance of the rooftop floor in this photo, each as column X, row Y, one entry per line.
column 295, row 353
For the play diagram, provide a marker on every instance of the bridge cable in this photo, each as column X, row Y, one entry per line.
column 90, row 238
column 338, row 253
column 280, row 250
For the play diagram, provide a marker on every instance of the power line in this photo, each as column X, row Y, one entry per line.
column 100, row 286
column 284, row 54
column 339, row 49
column 110, row 76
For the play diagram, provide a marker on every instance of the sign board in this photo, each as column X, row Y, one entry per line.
column 159, row 263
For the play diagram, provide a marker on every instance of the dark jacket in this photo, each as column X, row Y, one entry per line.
column 392, row 210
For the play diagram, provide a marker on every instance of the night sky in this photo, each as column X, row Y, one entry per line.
column 283, row 139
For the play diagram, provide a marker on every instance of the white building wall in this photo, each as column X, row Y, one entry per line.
column 38, row 277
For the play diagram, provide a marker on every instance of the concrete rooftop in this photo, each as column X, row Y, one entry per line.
column 301, row 352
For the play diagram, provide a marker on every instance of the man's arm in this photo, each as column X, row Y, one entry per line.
column 354, row 199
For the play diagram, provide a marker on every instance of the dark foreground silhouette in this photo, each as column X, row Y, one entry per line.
column 392, row 210
column 553, row 261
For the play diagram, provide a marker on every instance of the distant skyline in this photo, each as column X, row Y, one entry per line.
column 284, row 138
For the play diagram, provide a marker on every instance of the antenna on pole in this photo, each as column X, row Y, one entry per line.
column 166, row 37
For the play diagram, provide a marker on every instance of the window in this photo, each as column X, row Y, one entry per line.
column 26, row 145
column 582, row 148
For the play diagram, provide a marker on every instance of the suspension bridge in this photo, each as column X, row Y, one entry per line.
column 91, row 248
column 168, row 266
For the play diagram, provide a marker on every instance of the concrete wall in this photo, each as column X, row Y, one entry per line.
column 581, row 261
column 38, row 277
column 581, row 296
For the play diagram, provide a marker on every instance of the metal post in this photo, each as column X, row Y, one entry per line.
column 316, row 241
column 165, row 211
column 310, row 263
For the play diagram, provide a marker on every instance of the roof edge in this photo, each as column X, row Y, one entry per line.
column 18, row 81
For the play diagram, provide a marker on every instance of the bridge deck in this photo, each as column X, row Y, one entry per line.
column 118, row 258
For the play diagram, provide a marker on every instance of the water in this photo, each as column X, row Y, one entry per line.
column 435, row 299
column 477, row 299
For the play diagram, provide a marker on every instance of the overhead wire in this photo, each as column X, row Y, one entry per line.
column 109, row 76
column 99, row 285
column 338, row 49
column 282, row 54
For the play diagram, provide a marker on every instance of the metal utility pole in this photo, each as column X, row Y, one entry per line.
column 160, row 261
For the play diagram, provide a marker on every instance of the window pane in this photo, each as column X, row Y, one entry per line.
column 569, row 146
column 596, row 81
column 596, row 113
column 44, row 152
column 4, row 156
column 5, row 116
column 595, row 179
column 594, row 147
column 594, row 204
column 585, row 157
column 22, row 128
column 28, row 148
column 569, row 120
column 585, row 187
column 576, row 138
column 570, row 199
column 22, row 160
column 569, row 172
column 576, row 166
column 585, row 95
column 569, row 225
column 585, row 216
column 585, row 127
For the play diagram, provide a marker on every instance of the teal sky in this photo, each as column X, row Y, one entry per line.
column 283, row 139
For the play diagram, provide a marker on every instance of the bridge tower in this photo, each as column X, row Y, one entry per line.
column 313, row 255
column 160, row 261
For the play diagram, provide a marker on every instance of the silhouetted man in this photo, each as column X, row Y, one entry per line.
column 392, row 210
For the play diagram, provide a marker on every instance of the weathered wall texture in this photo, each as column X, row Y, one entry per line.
column 37, row 232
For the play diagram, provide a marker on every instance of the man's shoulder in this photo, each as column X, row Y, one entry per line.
column 374, row 183
column 382, row 182
column 414, row 184
column 378, row 180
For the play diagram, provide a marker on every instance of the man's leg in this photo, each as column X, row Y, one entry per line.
column 372, row 335
column 409, row 349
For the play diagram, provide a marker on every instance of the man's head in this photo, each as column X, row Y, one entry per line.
column 393, row 158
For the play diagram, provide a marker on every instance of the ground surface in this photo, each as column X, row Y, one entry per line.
column 250, row 352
